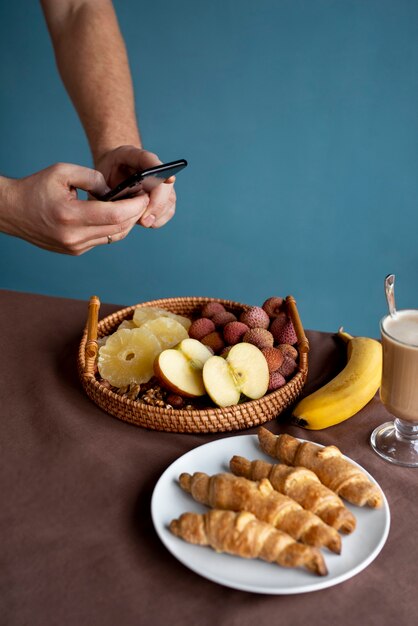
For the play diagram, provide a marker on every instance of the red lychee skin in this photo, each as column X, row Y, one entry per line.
column 255, row 317
column 214, row 341
column 225, row 351
column 234, row 331
column 273, row 357
column 288, row 367
column 223, row 318
column 287, row 334
column 287, row 350
column 259, row 337
column 276, row 381
column 200, row 328
column 211, row 308
column 277, row 326
column 273, row 306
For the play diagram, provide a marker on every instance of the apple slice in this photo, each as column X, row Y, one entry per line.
column 180, row 368
column 244, row 370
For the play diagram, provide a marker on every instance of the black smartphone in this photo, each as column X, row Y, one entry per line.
column 146, row 180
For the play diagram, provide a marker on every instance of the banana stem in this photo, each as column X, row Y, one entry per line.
column 343, row 335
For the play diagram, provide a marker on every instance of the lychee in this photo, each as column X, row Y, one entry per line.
column 201, row 327
column 225, row 351
column 214, row 341
column 223, row 318
column 259, row 337
column 233, row 332
column 273, row 306
column 273, row 357
column 211, row 308
column 288, row 367
column 277, row 326
column 287, row 334
column 276, row 381
column 287, row 349
column 255, row 317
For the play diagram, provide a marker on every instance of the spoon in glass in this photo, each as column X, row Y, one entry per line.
column 390, row 293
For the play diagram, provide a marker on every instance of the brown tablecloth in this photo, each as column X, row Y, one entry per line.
column 77, row 541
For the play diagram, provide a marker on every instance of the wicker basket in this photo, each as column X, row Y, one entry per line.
column 237, row 417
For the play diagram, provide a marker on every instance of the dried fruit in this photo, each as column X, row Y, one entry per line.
column 145, row 313
column 255, row 317
column 128, row 356
column 168, row 331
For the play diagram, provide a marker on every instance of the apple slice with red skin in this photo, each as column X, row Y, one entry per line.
column 243, row 371
column 179, row 369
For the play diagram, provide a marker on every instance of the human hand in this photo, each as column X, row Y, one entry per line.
column 45, row 210
column 118, row 164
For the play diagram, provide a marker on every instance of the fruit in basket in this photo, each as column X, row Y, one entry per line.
column 287, row 334
column 179, row 369
column 259, row 337
column 273, row 306
column 214, row 341
column 349, row 391
column 146, row 313
column 243, row 371
column 276, row 381
column 201, row 327
column 255, row 317
column 234, row 332
column 168, row 331
column 274, row 358
column 128, row 356
column 211, row 308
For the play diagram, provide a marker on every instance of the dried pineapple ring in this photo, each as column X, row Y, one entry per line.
column 128, row 356
column 168, row 331
column 147, row 313
column 129, row 324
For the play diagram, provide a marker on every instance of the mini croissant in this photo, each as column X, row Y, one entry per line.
column 229, row 492
column 303, row 486
column 242, row 534
column 333, row 470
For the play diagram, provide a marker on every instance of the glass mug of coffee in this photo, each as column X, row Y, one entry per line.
column 397, row 441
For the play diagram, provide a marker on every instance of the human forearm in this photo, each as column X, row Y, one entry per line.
column 93, row 64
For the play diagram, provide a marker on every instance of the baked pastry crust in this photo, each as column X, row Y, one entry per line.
column 333, row 470
column 303, row 486
column 242, row 534
column 228, row 492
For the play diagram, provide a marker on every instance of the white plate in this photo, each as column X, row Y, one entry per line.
column 359, row 549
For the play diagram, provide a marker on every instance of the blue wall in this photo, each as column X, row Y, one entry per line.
column 299, row 119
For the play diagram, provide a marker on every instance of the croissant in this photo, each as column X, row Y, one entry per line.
column 228, row 492
column 333, row 470
column 242, row 534
column 303, row 486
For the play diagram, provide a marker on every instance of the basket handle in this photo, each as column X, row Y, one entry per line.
column 91, row 343
column 303, row 343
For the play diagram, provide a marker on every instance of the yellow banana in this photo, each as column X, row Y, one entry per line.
column 349, row 391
